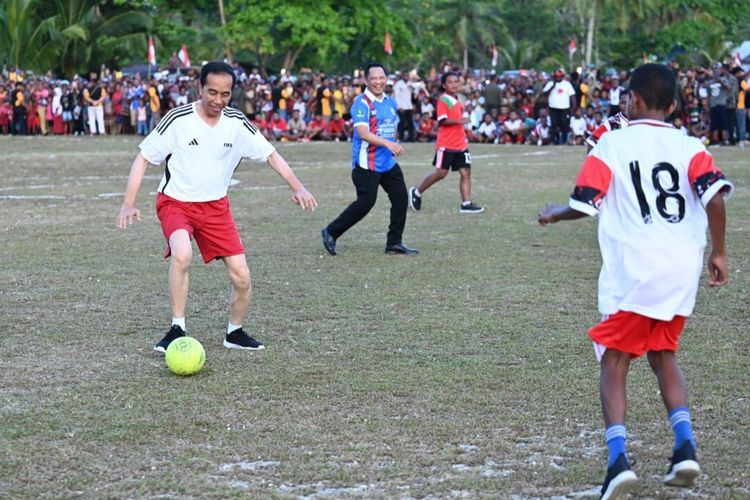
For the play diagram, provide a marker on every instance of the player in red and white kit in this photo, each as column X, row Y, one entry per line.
column 452, row 150
column 202, row 144
column 614, row 122
column 656, row 192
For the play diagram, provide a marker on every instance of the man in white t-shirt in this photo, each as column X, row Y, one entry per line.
column 615, row 91
column 404, row 92
column 656, row 192
column 561, row 98
column 201, row 144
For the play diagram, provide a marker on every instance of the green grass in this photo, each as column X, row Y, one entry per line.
column 463, row 371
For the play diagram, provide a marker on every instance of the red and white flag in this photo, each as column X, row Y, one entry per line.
column 572, row 48
column 151, row 51
column 183, row 55
column 387, row 47
column 494, row 55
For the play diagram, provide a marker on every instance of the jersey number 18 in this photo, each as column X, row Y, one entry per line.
column 664, row 193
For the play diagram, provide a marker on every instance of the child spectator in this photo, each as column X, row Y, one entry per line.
column 487, row 131
column 577, row 128
column 512, row 130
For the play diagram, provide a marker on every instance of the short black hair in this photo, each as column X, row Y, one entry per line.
column 217, row 67
column 445, row 76
column 373, row 65
column 655, row 84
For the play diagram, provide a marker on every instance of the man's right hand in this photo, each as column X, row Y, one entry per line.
column 395, row 148
column 126, row 216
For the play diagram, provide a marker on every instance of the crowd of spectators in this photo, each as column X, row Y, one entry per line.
column 514, row 107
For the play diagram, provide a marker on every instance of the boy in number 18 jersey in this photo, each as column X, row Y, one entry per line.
column 656, row 192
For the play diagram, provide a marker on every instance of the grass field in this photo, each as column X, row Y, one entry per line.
column 464, row 372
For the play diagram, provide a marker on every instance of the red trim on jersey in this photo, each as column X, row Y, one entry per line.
column 594, row 174
column 700, row 164
column 373, row 130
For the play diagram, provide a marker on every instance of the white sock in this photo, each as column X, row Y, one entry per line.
column 231, row 327
column 466, row 203
column 417, row 193
column 179, row 322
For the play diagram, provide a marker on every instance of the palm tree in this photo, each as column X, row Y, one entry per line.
column 25, row 40
column 472, row 25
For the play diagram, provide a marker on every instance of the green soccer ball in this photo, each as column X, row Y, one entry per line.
column 185, row 356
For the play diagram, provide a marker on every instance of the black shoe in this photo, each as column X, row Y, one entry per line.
column 174, row 333
column 328, row 242
column 415, row 202
column 401, row 249
column 684, row 468
column 238, row 339
column 471, row 208
column 620, row 479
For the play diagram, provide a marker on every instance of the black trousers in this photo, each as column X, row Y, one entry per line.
column 367, row 182
column 406, row 125
column 560, row 124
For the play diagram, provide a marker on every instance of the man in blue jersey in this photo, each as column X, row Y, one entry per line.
column 374, row 149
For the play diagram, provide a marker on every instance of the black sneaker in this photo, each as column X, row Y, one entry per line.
column 238, row 339
column 471, row 208
column 415, row 202
column 328, row 242
column 173, row 333
column 620, row 479
column 684, row 468
column 400, row 249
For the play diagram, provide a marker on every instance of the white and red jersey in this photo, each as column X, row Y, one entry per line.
column 200, row 159
column 450, row 137
column 649, row 184
column 615, row 122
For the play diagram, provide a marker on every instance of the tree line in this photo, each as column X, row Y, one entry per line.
column 75, row 36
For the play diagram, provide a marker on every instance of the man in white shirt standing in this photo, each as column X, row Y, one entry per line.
column 404, row 92
column 201, row 144
column 561, row 98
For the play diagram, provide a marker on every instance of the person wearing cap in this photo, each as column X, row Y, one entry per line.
column 561, row 97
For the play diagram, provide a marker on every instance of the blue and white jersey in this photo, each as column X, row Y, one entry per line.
column 381, row 118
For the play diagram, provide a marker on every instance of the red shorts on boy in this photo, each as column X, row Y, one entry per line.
column 636, row 334
column 209, row 222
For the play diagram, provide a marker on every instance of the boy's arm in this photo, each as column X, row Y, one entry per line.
column 554, row 213
column 718, row 273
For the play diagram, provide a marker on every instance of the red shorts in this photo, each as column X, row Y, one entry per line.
column 209, row 222
column 635, row 334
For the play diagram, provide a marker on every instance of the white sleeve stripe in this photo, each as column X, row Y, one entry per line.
column 582, row 207
column 715, row 188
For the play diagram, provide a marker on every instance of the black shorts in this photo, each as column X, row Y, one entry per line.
column 448, row 159
column 719, row 118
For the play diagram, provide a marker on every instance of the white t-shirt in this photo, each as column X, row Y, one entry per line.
column 200, row 159
column 614, row 96
column 649, row 184
column 578, row 126
column 487, row 129
column 560, row 96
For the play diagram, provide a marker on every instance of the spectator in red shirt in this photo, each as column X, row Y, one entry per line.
column 335, row 129
column 316, row 128
column 427, row 130
column 277, row 126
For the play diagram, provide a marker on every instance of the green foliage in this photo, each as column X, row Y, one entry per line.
column 337, row 36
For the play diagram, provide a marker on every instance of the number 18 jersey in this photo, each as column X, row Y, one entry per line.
column 649, row 184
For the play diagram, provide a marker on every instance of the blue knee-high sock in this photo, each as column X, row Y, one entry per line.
column 682, row 426
column 615, row 435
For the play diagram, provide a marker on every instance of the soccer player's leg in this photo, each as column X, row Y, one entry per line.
column 441, row 162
